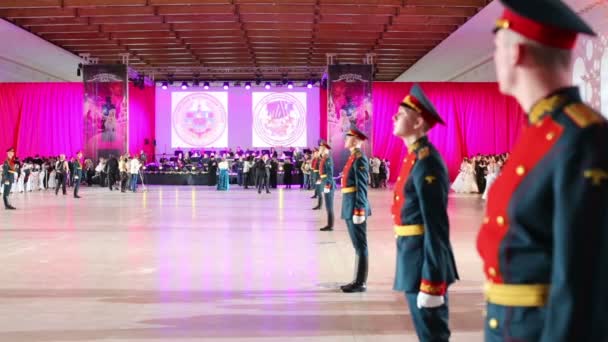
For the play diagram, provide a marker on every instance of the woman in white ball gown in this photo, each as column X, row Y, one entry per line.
column 493, row 171
column 465, row 181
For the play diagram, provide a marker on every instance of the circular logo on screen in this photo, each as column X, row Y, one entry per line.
column 199, row 119
column 279, row 119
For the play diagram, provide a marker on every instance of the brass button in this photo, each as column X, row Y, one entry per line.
column 500, row 220
column 393, row 215
column 492, row 271
column 486, row 220
column 405, row 160
column 550, row 136
column 493, row 323
column 396, row 198
column 520, row 170
column 398, row 178
column 413, row 161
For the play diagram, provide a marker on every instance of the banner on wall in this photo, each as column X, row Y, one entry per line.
column 279, row 119
column 349, row 101
column 199, row 119
column 106, row 112
column 590, row 69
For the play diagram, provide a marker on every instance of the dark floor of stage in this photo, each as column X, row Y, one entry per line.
column 180, row 263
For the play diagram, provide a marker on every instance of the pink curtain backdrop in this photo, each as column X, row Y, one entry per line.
column 478, row 120
column 47, row 118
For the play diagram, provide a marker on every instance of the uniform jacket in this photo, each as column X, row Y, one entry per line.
column 425, row 262
column 546, row 220
column 355, row 175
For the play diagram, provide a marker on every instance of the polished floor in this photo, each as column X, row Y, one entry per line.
column 194, row 264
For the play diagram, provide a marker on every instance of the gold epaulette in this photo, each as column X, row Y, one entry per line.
column 583, row 115
column 423, row 153
column 546, row 106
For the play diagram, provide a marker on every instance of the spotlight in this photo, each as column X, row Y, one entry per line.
column 290, row 85
column 226, row 86
column 309, row 85
column 248, row 85
column 267, row 85
column 206, row 85
column 165, row 85
column 184, row 85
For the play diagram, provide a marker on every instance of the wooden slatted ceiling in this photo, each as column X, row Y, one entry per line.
column 245, row 33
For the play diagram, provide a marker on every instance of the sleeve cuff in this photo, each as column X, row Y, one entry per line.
column 359, row 212
column 434, row 289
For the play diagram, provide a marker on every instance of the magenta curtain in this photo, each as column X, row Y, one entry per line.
column 478, row 120
column 47, row 118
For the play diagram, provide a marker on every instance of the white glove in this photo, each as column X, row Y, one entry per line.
column 357, row 219
column 76, row 177
column 318, row 183
column 426, row 300
column 7, row 183
column 326, row 190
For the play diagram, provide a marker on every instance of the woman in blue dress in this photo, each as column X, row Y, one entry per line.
column 223, row 183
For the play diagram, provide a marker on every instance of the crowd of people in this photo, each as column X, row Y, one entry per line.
column 477, row 173
column 258, row 168
column 60, row 172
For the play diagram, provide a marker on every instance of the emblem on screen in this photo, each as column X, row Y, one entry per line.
column 199, row 119
column 279, row 119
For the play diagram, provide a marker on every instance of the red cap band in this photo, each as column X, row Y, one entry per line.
column 542, row 33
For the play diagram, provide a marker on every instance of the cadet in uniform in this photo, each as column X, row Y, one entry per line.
column 77, row 173
column 425, row 262
column 315, row 179
column 355, row 206
column 328, row 185
column 8, row 176
column 544, row 238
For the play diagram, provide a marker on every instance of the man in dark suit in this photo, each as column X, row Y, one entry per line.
column 480, row 173
column 113, row 172
column 287, row 171
column 262, row 171
column 212, row 170
column 274, row 172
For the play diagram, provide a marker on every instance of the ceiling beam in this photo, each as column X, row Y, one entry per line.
column 194, row 10
column 102, row 3
column 38, row 13
column 116, row 11
column 30, row 4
